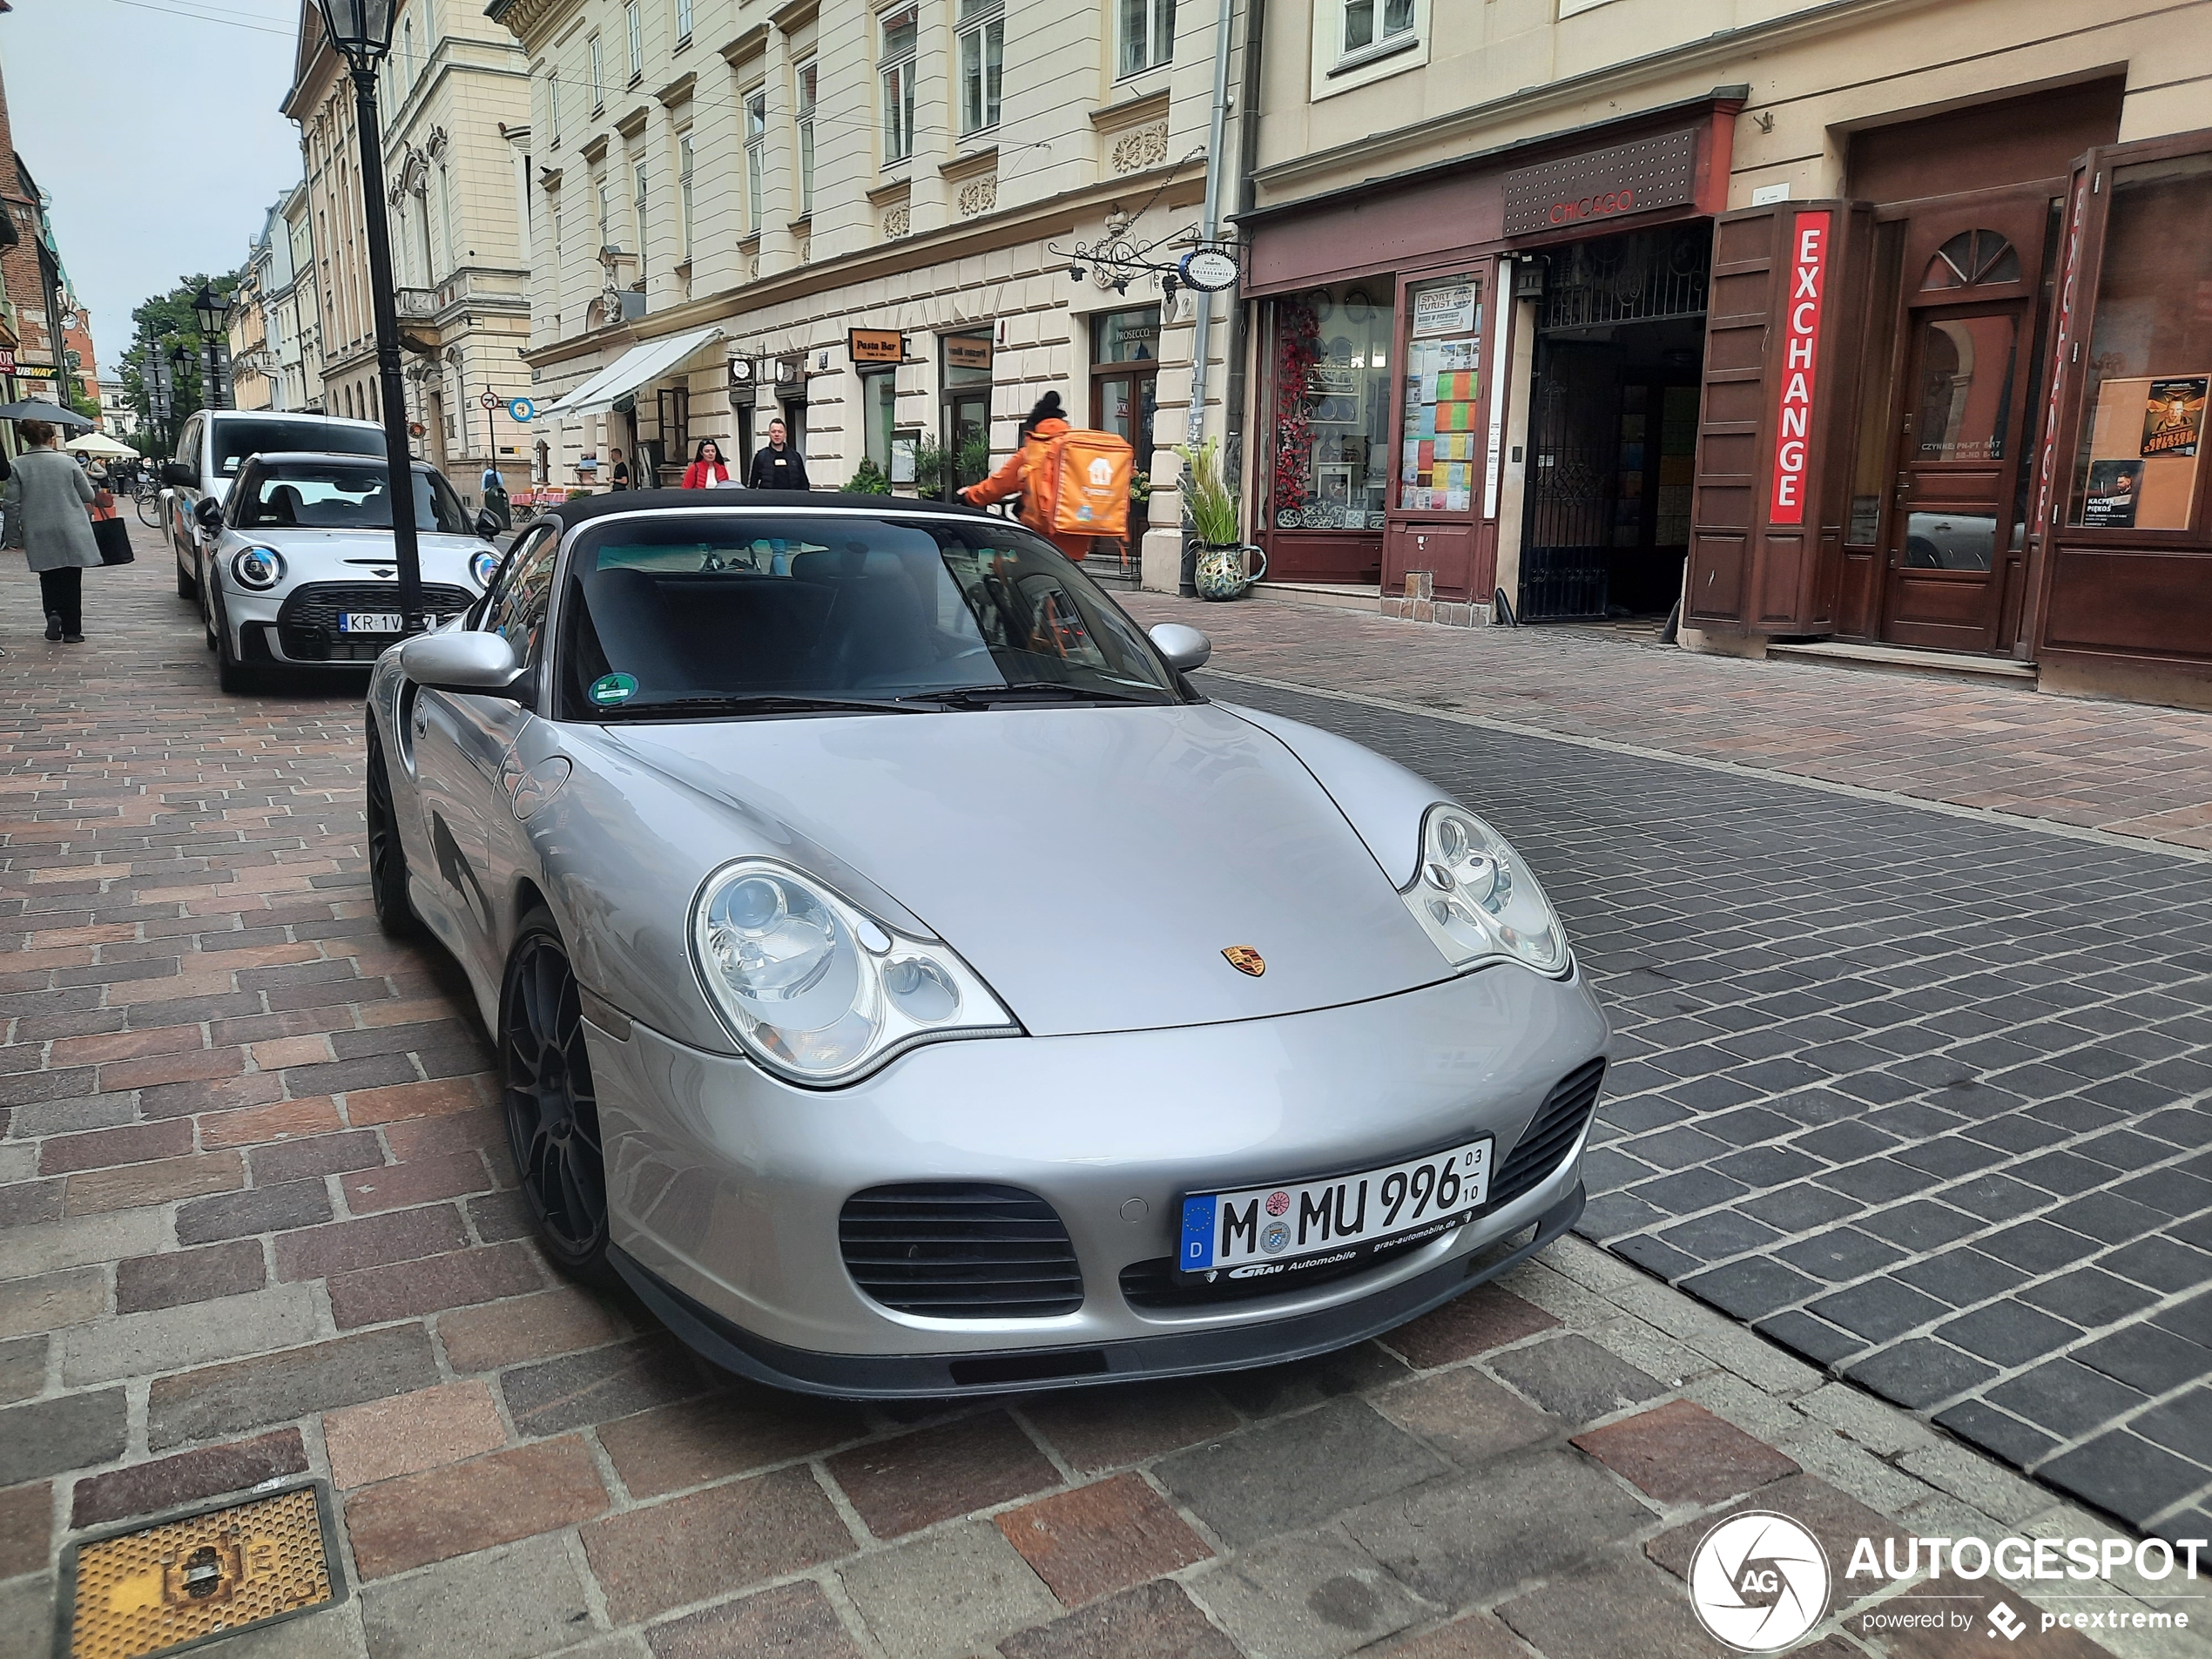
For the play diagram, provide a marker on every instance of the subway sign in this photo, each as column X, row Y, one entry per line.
column 1800, row 366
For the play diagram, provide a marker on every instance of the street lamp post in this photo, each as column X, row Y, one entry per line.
column 361, row 31
column 178, row 358
column 212, row 312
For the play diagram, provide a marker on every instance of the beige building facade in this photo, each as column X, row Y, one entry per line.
column 725, row 190
column 1826, row 323
column 453, row 84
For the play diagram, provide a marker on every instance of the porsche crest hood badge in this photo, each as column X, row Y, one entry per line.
column 1246, row 960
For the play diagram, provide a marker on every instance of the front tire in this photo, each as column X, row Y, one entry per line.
column 234, row 677
column 552, row 1114
column 387, row 874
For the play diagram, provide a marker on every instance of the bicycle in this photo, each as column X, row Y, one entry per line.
column 147, row 495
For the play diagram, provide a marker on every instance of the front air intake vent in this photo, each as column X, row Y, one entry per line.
column 1550, row 1135
column 960, row 1251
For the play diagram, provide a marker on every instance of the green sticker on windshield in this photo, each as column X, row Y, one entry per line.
column 610, row 689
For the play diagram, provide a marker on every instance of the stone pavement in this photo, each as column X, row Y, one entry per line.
column 256, row 1226
column 2132, row 770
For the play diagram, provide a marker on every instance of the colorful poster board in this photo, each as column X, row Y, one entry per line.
column 2144, row 443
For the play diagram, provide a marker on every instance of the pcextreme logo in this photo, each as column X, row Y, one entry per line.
column 1759, row 1582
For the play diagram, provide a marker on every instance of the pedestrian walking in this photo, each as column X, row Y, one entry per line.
column 778, row 466
column 1020, row 475
column 496, row 501
column 621, row 479
column 707, row 470
column 47, row 496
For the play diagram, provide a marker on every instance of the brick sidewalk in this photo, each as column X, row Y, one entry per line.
column 258, row 1227
column 2116, row 766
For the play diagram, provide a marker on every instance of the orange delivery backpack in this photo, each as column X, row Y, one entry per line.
column 1080, row 485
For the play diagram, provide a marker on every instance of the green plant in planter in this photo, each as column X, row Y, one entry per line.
column 975, row 458
column 868, row 480
column 1207, row 499
column 929, row 469
column 1140, row 489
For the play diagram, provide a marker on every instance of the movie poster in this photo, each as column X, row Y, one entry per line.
column 2174, row 416
column 2113, row 492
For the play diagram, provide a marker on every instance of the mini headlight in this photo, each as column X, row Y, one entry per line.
column 1476, row 899
column 483, row 566
column 817, row 990
column 257, row 567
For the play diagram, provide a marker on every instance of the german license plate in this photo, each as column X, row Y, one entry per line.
column 1259, row 1232
column 369, row 622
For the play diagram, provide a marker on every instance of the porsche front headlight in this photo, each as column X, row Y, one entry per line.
column 817, row 990
column 1477, row 900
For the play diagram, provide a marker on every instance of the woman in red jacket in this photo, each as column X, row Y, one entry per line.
column 706, row 470
column 1047, row 421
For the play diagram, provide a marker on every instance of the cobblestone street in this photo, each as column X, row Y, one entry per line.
column 1918, row 1092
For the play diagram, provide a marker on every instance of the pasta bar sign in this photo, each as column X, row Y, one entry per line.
column 1800, row 366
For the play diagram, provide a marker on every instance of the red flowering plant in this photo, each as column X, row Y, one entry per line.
column 1298, row 348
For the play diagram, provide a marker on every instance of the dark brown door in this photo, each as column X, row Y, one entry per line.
column 1952, row 528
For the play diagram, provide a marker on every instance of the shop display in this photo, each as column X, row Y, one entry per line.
column 2144, row 436
column 1438, row 460
column 1332, row 414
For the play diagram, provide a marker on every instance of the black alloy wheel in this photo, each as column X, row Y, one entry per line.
column 552, row 1115
column 387, row 854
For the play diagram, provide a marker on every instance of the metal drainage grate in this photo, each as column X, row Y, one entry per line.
column 960, row 1251
column 177, row 1584
column 1550, row 1135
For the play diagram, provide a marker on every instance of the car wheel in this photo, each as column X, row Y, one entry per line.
column 386, row 853
column 552, row 1115
column 209, row 623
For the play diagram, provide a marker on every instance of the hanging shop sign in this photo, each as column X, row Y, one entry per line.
column 7, row 360
column 742, row 373
column 1636, row 177
column 36, row 372
column 875, row 344
column 1800, row 368
column 966, row 351
column 792, row 370
column 1207, row 269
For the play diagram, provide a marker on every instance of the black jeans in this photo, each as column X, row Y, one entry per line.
column 62, row 593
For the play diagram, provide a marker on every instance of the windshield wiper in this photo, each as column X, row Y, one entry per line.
column 981, row 697
column 770, row 703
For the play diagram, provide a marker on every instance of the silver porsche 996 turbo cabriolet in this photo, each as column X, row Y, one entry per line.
column 909, row 984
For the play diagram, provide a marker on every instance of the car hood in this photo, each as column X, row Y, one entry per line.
column 1093, row 864
column 363, row 544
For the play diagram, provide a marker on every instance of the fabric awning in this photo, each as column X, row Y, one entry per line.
column 638, row 367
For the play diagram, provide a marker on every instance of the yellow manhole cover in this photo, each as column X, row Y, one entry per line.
column 166, row 1587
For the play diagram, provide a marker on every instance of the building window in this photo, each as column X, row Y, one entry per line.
column 684, row 193
column 879, row 411
column 407, row 48
column 1371, row 23
column 983, row 55
column 598, row 76
column 553, row 99
column 606, row 213
column 1148, row 35
column 755, row 144
column 634, row 18
column 896, row 71
column 637, row 176
column 809, row 77
column 683, row 22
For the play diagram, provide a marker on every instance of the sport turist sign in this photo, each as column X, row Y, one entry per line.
column 1800, row 364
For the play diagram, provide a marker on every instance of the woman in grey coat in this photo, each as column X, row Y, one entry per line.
column 47, row 496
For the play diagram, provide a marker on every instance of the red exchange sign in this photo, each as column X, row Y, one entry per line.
column 1801, row 363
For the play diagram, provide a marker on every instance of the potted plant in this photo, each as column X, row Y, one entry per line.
column 930, row 469
column 1211, row 507
column 868, row 480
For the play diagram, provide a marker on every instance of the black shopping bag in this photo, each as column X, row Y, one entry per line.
column 113, row 538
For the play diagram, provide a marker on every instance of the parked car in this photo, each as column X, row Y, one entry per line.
column 757, row 827
column 301, row 572
column 215, row 443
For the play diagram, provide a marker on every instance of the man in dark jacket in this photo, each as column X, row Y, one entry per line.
column 778, row 466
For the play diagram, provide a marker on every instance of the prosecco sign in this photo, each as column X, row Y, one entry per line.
column 1807, row 278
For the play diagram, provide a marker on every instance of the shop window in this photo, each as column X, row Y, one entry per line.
column 895, row 69
column 1147, row 36
column 1442, row 450
column 982, row 60
column 1972, row 257
column 2149, row 356
column 1125, row 386
column 879, row 412
column 1332, row 387
column 1372, row 25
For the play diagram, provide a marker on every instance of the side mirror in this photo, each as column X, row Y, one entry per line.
column 483, row 664
column 488, row 525
column 178, row 476
column 1185, row 647
column 207, row 513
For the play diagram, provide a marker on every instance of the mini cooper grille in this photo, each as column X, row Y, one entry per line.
column 1550, row 1133
column 960, row 1251
column 307, row 626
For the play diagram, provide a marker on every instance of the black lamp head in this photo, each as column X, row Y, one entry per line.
column 362, row 29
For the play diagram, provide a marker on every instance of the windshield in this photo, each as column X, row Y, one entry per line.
column 695, row 610
column 343, row 495
column 234, row 441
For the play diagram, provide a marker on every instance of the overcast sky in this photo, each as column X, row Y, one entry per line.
column 152, row 125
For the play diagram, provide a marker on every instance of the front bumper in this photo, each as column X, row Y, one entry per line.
column 725, row 1184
